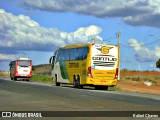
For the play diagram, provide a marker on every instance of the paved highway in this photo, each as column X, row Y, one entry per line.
column 33, row 96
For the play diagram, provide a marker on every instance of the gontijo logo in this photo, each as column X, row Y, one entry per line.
column 105, row 49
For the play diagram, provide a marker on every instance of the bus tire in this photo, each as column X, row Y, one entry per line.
column 75, row 83
column 57, row 83
column 78, row 82
column 15, row 78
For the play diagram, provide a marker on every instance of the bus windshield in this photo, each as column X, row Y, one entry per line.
column 24, row 62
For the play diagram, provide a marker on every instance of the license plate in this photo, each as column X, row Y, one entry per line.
column 23, row 75
column 102, row 81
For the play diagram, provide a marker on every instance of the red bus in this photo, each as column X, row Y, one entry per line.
column 21, row 69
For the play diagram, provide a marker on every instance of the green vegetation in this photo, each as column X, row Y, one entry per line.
column 41, row 73
column 129, row 70
column 125, row 70
column 5, row 74
column 40, row 65
column 115, row 88
column 42, row 69
column 158, row 63
column 41, row 78
column 149, row 78
column 146, row 75
column 132, row 70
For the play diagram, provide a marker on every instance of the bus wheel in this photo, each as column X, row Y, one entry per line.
column 78, row 82
column 15, row 78
column 57, row 83
column 75, row 83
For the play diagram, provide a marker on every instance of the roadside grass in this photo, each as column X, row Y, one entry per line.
column 115, row 88
column 4, row 74
column 144, row 78
column 41, row 78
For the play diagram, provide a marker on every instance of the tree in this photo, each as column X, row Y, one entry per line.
column 158, row 63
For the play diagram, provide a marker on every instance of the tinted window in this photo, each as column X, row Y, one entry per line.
column 24, row 63
column 72, row 54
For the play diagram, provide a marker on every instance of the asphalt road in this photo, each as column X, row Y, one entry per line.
column 33, row 96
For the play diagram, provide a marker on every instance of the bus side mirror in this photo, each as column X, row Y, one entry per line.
column 51, row 60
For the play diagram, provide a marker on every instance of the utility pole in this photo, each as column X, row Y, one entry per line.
column 118, row 36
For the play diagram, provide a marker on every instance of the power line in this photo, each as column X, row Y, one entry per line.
column 145, row 44
column 151, row 42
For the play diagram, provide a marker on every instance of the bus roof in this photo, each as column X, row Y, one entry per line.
column 80, row 45
column 23, row 59
column 74, row 45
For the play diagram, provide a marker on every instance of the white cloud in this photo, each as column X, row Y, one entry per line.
column 134, row 12
column 151, row 65
column 144, row 54
column 8, row 56
column 21, row 33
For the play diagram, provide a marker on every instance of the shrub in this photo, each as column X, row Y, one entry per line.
column 41, row 78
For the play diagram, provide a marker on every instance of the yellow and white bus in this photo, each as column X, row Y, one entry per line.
column 86, row 65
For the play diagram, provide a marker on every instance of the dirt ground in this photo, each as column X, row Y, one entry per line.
column 134, row 82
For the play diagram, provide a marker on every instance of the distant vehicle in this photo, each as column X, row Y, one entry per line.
column 21, row 69
column 86, row 65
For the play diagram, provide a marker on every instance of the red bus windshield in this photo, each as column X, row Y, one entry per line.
column 24, row 62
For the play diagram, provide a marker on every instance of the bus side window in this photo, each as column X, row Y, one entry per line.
column 82, row 53
column 85, row 52
column 77, row 54
column 58, row 56
column 53, row 60
column 62, row 55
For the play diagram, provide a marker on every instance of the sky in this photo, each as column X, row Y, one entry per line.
column 36, row 28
